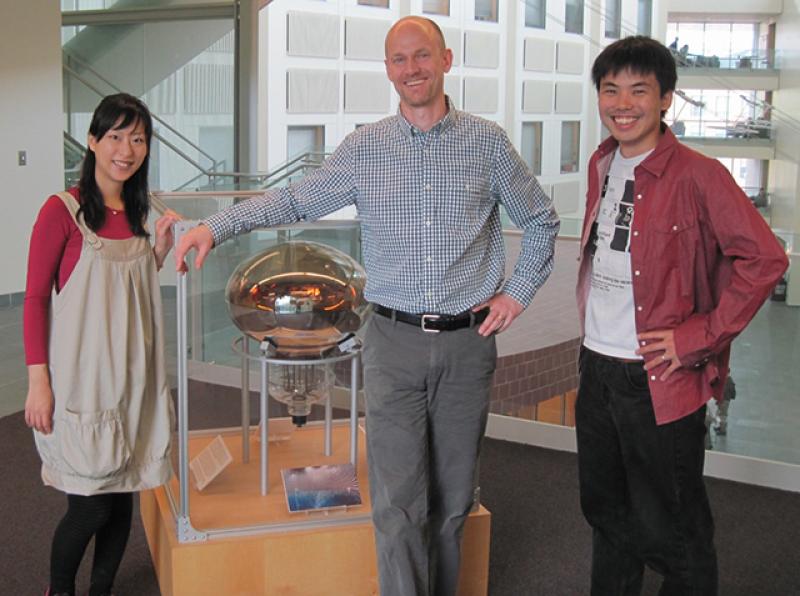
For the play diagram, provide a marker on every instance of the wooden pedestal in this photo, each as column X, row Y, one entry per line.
column 324, row 561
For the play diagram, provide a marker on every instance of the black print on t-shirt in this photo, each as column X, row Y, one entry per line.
column 593, row 240
column 622, row 222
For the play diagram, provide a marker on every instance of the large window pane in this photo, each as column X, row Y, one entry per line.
column 184, row 72
column 302, row 139
column 486, row 10
column 535, row 11
column 441, row 7
column 532, row 146
column 645, row 17
column 573, row 21
column 718, row 45
column 613, row 18
column 570, row 146
column 111, row 5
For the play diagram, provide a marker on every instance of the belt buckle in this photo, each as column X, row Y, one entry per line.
column 429, row 318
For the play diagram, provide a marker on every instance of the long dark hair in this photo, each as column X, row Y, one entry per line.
column 116, row 112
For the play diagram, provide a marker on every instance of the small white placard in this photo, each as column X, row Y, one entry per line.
column 208, row 464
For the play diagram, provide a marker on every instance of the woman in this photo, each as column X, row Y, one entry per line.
column 98, row 398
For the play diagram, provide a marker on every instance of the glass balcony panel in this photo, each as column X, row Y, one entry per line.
column 188, row 87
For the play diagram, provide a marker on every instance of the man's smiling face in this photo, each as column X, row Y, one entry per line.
column 630, row 106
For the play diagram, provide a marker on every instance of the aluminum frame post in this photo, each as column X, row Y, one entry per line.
column 245, row 399
column 354, row 366
column 264, row 426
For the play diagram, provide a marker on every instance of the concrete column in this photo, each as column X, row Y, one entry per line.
column 246, row 115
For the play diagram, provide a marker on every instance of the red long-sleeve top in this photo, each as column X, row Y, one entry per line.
column 54, row 251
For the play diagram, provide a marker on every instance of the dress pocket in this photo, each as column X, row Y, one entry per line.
column 93, row 444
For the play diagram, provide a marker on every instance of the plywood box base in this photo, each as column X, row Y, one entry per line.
column 324, row 561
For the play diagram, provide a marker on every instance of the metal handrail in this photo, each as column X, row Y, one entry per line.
column 264, row 177
column 155, row 134
column 155, row 117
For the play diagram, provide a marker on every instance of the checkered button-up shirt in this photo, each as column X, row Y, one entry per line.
column 428, row 208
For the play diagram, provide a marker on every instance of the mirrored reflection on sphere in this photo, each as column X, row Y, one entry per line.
column 302, row 297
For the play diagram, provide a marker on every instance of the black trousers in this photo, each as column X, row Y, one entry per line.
column 642, row 488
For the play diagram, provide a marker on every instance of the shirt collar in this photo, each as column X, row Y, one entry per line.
column 447, row 121
column 656, row 162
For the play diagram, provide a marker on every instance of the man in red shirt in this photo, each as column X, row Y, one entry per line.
column 675, row 261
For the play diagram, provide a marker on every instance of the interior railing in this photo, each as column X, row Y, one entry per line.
column 754, row 60
column 95, row 82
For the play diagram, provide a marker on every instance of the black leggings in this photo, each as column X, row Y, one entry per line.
column 107, row 517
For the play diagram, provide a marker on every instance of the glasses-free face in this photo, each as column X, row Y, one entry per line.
column 119, row 153
column 630, row 106
column 416, row 64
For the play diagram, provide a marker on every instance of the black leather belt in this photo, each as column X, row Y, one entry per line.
column 434, row 323
column 614, row 358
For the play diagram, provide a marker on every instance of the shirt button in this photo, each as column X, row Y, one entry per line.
column 427, row 187
column 638, row 196
column 428, row 294
column 428, row 259
column 466, row 187
column 639, row 308
column 636, row 272
column 427, row 222
column 652, row 377
column 674, row 228
column 636, row 232
column 644, row 343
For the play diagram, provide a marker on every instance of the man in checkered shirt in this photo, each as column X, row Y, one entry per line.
column 427, row 183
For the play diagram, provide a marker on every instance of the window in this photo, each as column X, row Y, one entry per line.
column 535, row 11
column 720, row 113
column 301, row 139
column 441, row 7
column 573, row 19
column 613, row 18
column 747, row 172
column 532, row 146
column 718, row 45
column 378, row 3
column 570, row 146
column 486, row 10
column 645, row 17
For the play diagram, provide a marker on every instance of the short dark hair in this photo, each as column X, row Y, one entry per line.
column 639, row 54
column 116, row 112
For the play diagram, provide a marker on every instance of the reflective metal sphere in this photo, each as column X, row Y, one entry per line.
column 301, row 296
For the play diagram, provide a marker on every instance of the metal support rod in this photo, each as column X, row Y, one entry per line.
column 354, row 411
column 328, row 424
column 264, row 425
column 183, row 391
column 245, row 400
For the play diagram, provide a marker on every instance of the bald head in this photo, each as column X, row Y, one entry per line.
column 430, row 27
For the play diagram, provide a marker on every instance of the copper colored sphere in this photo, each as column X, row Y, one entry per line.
column 301, row 296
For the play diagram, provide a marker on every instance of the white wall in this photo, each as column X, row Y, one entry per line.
column 31, row 119
column 730, row 7
column 493, row 88
column 784, row 176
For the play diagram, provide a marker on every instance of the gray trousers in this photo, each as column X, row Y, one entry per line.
column 427, row 404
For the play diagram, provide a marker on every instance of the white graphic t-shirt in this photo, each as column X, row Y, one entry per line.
column 610, row 323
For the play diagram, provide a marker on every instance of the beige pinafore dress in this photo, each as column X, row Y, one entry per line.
column 113, row 412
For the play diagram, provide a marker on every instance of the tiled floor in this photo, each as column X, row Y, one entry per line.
column 764, row 418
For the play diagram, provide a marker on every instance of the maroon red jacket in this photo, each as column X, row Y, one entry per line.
column 703, row 261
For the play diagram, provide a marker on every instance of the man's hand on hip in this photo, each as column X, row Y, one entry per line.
column 661, row 340
column 503, row 309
